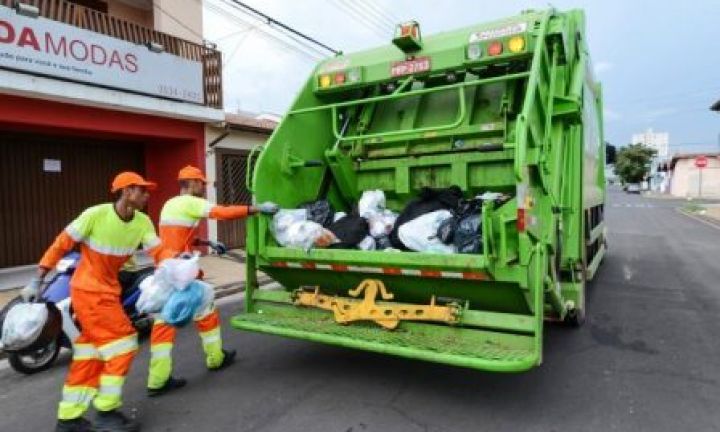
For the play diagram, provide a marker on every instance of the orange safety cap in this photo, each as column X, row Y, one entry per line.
column 191, row 173
column 129, row 178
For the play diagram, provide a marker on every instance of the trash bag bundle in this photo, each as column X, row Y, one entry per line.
column 155, row 290
column 180, row 272
column 420, row 234
column 430, row 200
column 350, row 231
column 182, row 305
column 23, row 324
column 319, row 212
column 291, row 228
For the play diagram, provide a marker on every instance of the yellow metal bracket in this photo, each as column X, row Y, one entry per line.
column 388, row 315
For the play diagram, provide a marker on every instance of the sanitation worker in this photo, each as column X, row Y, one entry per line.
column 179, row 220
column 108, row 234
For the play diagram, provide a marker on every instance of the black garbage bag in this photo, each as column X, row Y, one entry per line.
column 350, row 230
column 429, row 200
column 382, row 243
column 446, row 230
column 463, row 229
column 319, row 211
column 468, row 234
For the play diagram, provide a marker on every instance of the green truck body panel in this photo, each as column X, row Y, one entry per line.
column 526, row 122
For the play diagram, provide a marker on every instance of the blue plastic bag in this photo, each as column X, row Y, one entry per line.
column 182, row 305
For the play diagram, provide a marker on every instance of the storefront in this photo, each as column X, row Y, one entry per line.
column 67, row 126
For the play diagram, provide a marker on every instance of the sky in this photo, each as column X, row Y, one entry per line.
column 659, row 62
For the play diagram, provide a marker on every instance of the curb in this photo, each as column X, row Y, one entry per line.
column 712, row 222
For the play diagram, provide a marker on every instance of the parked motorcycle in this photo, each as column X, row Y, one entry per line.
column 57, row 295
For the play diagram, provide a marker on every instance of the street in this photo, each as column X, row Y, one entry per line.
column 647, row 360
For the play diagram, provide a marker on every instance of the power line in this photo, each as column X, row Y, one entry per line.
column 383, row 11
column 315, row 53
column 271, row 21
column 375, row 15
column 361, row 19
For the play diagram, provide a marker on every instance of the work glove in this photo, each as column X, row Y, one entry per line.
column 218, row 247
column 268, row 208
column 31, row 291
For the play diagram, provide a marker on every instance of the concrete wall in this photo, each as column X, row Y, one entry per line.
column 686, row 179
column 237, row 140
column 181, row 18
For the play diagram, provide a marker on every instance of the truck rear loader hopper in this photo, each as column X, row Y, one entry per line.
column 509, row 106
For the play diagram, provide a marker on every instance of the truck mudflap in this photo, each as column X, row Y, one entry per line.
column 444, row 333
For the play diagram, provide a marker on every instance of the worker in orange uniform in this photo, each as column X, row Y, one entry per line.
column 179, row 220
column 108, row 235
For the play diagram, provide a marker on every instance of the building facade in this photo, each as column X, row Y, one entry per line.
column 689, row 181
column 89, row 88
column 229, row 146
column 660, row 141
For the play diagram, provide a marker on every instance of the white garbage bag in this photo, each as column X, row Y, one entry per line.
column 382, row 223
column 371, row 202
column 420, row 234
column 155, row 291
column 23, row 324
column 303, row 235
column 181, row 272
column 367, row 244
column 339, row 215
column 283, row 220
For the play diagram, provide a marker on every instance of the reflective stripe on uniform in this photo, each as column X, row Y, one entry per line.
column 75, row 401
column 85, row 352
column 110, row 250
column 179, row 222
column 211, row 336
column 161, row 350
column 74, row 233
column 118, row 348
column 109, row 396
column 111, row 385
column 153, row 242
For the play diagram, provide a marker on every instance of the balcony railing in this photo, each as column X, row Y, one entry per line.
column 99, row 22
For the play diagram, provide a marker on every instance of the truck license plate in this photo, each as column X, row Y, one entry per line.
column 408, row 67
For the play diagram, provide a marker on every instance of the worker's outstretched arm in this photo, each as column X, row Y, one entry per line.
column 234, row 212
column 230, row 212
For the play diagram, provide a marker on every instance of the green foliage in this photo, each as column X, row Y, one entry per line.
column 633, row 163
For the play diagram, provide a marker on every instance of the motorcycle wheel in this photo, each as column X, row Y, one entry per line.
column 36, row 361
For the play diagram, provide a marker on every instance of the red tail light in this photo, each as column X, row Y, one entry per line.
column 340, row 78
column 495, row 48
column 521, row 220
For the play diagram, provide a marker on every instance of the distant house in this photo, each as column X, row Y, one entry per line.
column 686, row 180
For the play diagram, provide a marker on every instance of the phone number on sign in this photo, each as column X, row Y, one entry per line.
column 176, row 93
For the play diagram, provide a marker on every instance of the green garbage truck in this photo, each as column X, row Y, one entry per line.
column 509, row 107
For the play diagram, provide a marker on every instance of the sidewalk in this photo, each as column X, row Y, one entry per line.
column 227, row 273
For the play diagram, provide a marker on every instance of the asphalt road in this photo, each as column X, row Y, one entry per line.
column 647, row 360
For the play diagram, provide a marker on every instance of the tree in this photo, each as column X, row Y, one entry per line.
column 633, row 163
column 610, row 153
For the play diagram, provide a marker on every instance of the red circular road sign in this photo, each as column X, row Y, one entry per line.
column 701, row 161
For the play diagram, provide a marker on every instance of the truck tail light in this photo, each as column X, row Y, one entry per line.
column 495, row 48
column 516, row 44
column 339, row 78
column 521, row 220
column 324, row 81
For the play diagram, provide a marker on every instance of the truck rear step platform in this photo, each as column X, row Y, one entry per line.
column 458, row 346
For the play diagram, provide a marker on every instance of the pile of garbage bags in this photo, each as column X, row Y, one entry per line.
column 437, row 221
column 174, row 293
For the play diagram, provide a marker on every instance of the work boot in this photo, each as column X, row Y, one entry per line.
column 228, row 360
column 170, row 385
column 75, row 425
column 115, row 421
